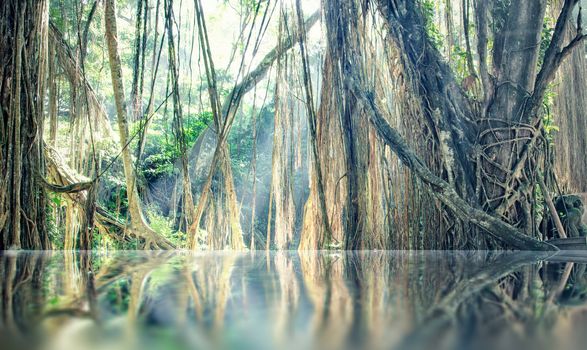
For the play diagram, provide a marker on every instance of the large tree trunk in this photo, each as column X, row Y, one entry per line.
column 340, row 134
column 372, row 201
column 500, row 161
column 137, row 220
column 568, row 116
column 506, row 128
column 23, row 39
column 512, row 142
column 443, row 190
column 450, row 121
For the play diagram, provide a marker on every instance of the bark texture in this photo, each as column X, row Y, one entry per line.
column 569, row 113
column 137, row 220
column 283, row 166
column 23, row 53
column 483, row 152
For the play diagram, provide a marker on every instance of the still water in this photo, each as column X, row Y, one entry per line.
column 289, row 300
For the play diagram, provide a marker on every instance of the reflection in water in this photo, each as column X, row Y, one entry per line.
column 289, row 300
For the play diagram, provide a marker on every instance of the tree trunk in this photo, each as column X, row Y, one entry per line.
column 506, row 129
column 224, row 115
column 188, row 202
column 567, row 115
column 23, row 34
column 452, row 130
column 137, row 220
column 499, row 229
column 52, row 97
column 136, row 94
column 282, row 172
column 351, row 159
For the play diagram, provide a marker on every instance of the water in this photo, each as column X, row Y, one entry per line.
column 289, row 300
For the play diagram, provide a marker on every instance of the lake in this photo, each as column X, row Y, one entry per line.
column 290, row 300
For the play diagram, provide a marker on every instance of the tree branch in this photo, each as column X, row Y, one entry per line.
column 259, row 72
column 555, row 54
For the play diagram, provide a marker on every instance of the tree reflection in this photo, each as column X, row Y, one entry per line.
column 327, row 300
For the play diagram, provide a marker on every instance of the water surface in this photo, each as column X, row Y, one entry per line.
column 289, row 300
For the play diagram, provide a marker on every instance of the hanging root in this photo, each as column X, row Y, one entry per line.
column 442, row 190
column 62, row 176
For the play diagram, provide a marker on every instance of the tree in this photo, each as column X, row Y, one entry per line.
column 505, row 137
column 23, row 38
column 484, row 153
column 138, row 223
column 224, row 115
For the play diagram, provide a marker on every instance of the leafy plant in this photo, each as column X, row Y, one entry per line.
column 429, row 11
column 161, row 153
column 546, row 37
column 164, row 226
column 550, row 128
